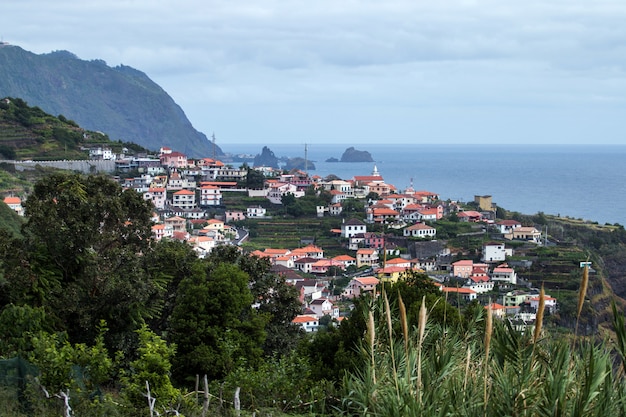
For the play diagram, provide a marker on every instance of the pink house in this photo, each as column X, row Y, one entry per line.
column 361, row 285
column 174, row 160
column 462, row 268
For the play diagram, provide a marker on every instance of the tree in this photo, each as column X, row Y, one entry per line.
column 214, row 325
column 276, row 300
column 254, row 179
column 79, row 257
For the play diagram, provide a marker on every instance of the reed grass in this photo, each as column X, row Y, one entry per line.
column 445, row 372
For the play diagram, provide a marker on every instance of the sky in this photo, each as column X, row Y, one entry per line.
column 358, row 72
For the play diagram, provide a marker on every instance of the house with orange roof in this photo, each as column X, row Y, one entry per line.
column 274, row 253
column 411, row 212
column 277, row 190
column 202, row 245
column 504, row 273
column 550, row 303
column 381, row 215
column 479, row 284
column 399, row 262
column 379, row 188
column 160, row 231
column 156, row 195
column 400, row 201
column 322, row 266
column 15, row 204
column 465, row 294
column 507, row 226
column 430, row 214
column 367, row 257
column 210, row 195
column 391, row 274
column 309, row 323
column 497, row 310
column 425, row 196
column 309, row 251
column 360, row 285
column 362, row 181
column 174, row 160
column 284, row 260
column 184, row 199
column 462, row 268
column 469, row 216
column 527, row 233
column 344, row 260
column 420, row 230
column 178, row 224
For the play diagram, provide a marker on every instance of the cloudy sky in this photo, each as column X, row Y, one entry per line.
column 334, row 71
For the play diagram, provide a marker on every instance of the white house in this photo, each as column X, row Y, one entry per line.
column 503, row 273
column 15, row 204
column 255, row 212
column 420, row 230
column 184, row 199
column 495, row 252
column 324, row 307
column 507, row 226
column 278, row 190
column 210, row 195
column 308, row 323
column 352, row 227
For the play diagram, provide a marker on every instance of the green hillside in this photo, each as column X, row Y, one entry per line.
column 121, row 101
column 30, row 133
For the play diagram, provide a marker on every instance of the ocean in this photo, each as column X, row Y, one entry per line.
column 579, row 181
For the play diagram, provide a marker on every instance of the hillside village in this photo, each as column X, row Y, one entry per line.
column 189, row 206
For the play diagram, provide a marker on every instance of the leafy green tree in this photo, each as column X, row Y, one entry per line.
column 79, row 257
column 254, row 179
column 214, row 324
column 275, row 300
column 153, row 365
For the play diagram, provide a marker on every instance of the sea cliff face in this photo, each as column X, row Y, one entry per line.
column 354, row 155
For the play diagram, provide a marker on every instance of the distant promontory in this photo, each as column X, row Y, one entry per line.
column 354, row 155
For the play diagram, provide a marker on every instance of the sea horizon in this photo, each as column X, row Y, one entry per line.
column 579, row 181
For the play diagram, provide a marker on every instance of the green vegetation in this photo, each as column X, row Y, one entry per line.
column 30, row 133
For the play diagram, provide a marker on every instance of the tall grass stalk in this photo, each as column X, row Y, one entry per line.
column 391, row 340
column 582, row 293
column 539, row 317
column 371, row 338
column 488, row 334
column 423, row 317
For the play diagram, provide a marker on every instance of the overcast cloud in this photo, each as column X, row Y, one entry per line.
column 454, row 71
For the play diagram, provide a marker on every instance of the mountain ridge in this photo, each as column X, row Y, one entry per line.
column 121, row 101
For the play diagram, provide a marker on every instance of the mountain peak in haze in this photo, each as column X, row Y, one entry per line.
column 120, row 101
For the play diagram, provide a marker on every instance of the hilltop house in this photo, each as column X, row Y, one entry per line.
column 210, row 195
column 15, row 204
column 366, row 256
column 420, row 230
column 360, row 285
column 352, row 227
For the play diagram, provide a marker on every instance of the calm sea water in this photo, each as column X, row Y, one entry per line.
column 585, row 182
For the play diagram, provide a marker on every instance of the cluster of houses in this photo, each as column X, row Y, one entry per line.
column 182, row 191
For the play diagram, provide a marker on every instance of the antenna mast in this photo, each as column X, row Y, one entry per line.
column 306, row 161
column 214, row 156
